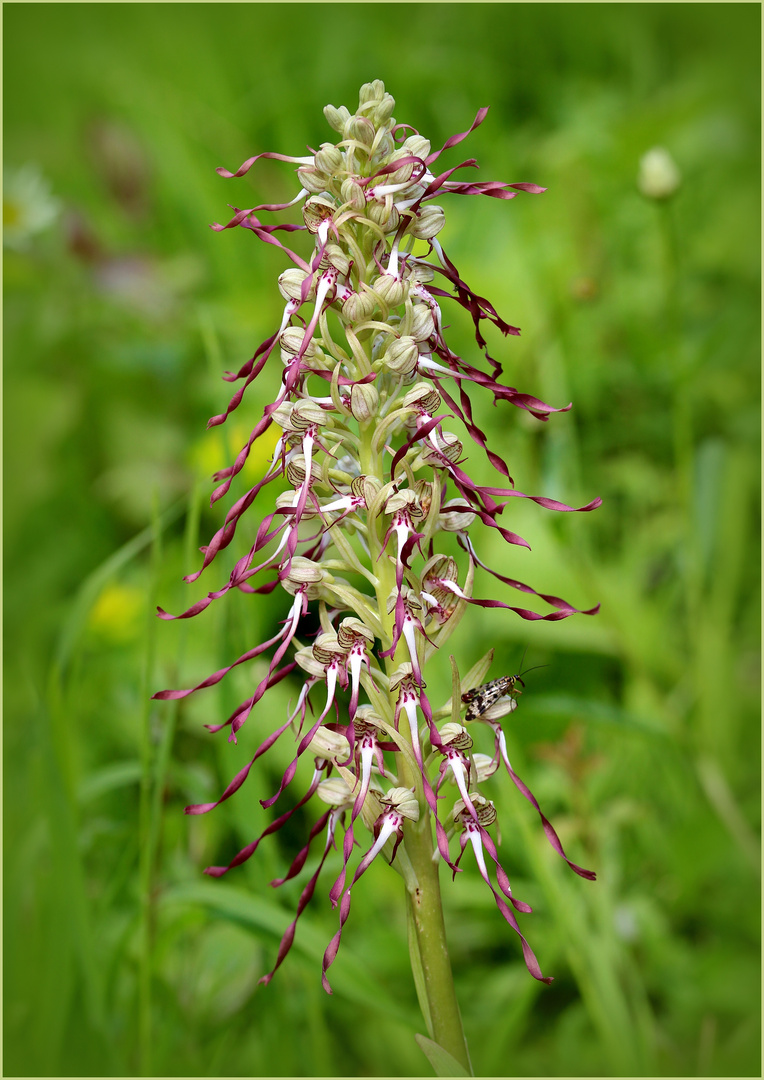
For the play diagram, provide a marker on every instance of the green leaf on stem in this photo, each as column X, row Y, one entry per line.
column 443, row 1063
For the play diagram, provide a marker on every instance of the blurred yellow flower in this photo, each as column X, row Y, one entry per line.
column 218, row 447
column 115, row 614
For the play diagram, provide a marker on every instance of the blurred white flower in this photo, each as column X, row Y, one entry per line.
column 658, row 176
column 28, row 205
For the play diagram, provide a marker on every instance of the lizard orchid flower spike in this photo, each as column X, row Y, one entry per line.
column 377, row 482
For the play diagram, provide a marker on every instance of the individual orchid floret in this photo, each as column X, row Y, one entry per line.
column 456, row 741
column 475, row 832
column 400, row 805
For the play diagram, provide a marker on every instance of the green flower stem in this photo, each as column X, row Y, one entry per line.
column 426, row 909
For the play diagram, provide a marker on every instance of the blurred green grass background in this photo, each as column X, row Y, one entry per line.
column 640, row 738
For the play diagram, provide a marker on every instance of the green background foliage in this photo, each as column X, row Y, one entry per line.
column 639, row 738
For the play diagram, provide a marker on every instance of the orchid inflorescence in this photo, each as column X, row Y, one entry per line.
column 374, row 485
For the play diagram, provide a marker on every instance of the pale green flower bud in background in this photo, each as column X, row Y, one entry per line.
column 658, row 176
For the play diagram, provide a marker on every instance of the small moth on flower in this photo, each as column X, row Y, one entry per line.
column 481, row 699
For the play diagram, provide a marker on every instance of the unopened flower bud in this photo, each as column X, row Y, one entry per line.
column 371, row 91
column 290, row 284
column 402, row 356
column 428, row 222
column 360, row 129
column 383, row 110
column 335, row 792
column 391, row 290
column 364, row 402
column 352, row 193
column 312, row 179
column 417, row 146
column 383, row 213
column 359, row 306
column 405, row 172
column 422, row 323
column 454, row 520
column 330, row 745
column 659, row 176
column 403, row 801
column 337, row 118
column 329, row 159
